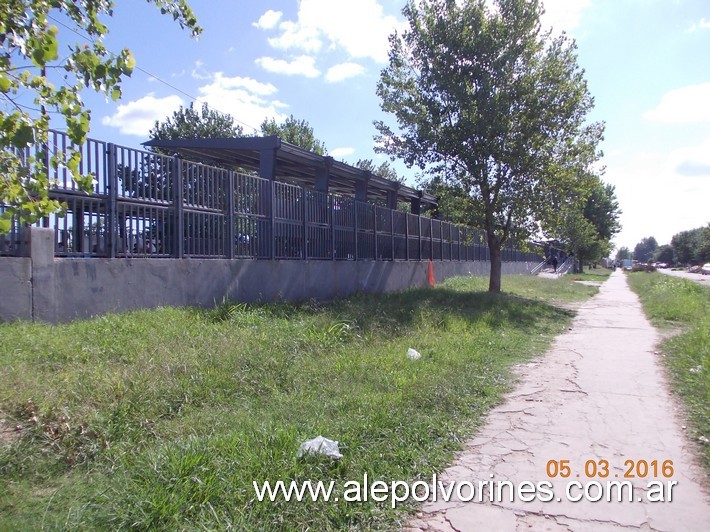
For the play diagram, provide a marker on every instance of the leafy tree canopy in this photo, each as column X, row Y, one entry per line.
column 298, row 132
column 644, row 250
column 494, row 107
column 664, row 253
column 385, row 169
column 187, row 123
column 587, row 227
column 623, row 253
column 29, row 57
column 693, row 246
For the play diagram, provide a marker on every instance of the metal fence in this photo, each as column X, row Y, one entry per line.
column 144, row 204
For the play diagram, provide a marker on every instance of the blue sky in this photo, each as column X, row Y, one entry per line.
column 647, row 63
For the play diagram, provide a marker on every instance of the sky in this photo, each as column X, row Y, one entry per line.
column 647, row 64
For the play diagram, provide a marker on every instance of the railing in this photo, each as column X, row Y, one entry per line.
column 144, row 204
column 537, row 269
column 566, row 266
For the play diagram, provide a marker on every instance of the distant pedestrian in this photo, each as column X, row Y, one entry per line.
column 554, row 262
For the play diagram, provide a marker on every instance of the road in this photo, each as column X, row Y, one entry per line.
column 697, row 277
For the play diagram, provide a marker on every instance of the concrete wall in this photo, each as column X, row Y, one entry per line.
column 55, row 290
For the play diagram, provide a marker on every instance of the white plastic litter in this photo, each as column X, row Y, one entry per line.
column 320, row 445
column 414, row 354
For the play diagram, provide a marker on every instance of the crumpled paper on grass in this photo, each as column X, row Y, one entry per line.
column 320, row 445
column 413, row 354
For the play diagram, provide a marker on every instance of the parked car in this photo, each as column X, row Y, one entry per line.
column 706, row 269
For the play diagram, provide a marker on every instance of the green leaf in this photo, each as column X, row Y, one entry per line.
column 5, row 83
column 22, row 136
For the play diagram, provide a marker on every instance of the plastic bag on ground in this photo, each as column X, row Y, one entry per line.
column 320, row 445
column 414, row 354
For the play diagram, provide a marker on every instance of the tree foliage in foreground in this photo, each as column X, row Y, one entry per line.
column 495, row 109
column 38, row 80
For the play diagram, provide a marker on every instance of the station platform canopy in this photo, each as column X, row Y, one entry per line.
column 273, row 158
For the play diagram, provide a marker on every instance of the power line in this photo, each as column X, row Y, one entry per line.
column 160, row 80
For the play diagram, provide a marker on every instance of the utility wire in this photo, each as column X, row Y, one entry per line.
column 160, row 80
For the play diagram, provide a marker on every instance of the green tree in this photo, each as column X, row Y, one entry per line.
column 298, row 132
column 186, row 123
column 494, row 107
column 693, row 246
column 29, row 57
column 623, row 253
column 644, row 250
column 385, row 169
column 664, row 253
column 587, row 229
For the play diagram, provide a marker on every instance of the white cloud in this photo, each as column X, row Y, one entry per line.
column 341, row 152
column 361, row 28
column 685, row 105
column 702, row 24
column 296, row 37
column 268, row 20
column 302, row 65
column 139, row 116
column 692, row 161
column 659, row 197
column 343, row 71
column 247, row 100
column 563, row 15
column 199, row 72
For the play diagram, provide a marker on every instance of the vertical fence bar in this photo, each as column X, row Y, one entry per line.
column 392, row 234
column 179, row 217
column 332, row 226
column 111, row 177
column 355, row 251
column 230, row 215
column 272, row 218
column 406, row 234
column 304, row 213
column 374, row 230
column 431, row 239
column 419, row 223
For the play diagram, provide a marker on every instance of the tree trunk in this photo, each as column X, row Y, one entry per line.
column 496, row 265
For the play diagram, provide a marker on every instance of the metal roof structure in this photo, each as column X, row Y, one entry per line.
column 273, row 158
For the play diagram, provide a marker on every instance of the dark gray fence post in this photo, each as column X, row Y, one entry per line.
column 374, row 230
column 112, row 186
column 230, row 215
column 331, row 201
column 272, row 218
column 392, row 233
column 304, row 213
column 355, row 251
column 178, row 221
column 406, row 233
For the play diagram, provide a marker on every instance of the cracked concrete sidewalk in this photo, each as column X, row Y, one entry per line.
column 600, row 393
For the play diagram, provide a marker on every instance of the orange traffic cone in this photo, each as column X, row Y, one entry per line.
column 430, row 274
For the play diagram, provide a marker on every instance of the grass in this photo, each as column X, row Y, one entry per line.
column 598, row 274
column 678, row 304
column 164, row 418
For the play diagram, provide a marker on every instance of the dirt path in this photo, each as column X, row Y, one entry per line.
column 599, row 394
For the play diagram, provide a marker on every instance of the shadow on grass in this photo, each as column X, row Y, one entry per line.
column 399, row 311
